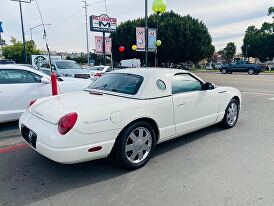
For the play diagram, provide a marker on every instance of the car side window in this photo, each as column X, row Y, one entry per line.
column 36, row 77
column 109, row 69
column 182, row 83
column 13, row 76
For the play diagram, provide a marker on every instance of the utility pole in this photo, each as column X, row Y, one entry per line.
column 86, row 17
column 22, row 26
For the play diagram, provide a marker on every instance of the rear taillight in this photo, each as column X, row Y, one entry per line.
column 98, row 74
column 67, row 122
column 32, row 102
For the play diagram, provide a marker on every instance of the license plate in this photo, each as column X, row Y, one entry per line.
column 29, row 135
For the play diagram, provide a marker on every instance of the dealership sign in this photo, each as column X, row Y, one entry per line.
column 1, row 29
column 103, row 23
column 141, row 39
column 99, row 44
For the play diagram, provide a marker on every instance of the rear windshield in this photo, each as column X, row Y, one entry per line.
column 120, row 83
column 68, row 65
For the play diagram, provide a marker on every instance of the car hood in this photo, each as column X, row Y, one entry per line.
column 89, row 107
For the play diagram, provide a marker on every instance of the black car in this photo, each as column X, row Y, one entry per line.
column 7, row 61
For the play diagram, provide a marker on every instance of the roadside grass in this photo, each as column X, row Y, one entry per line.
column 268, row 71
column 218, row 71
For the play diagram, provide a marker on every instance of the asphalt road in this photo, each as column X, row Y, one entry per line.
column 209, row 167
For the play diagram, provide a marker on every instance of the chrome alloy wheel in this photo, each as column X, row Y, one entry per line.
column 138, row 145
column 232, row 113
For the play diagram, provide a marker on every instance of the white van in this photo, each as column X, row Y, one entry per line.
column 130, row 63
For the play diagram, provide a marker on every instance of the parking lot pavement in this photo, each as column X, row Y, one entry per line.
column 209, row 167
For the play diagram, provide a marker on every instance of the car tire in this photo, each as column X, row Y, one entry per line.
column 133, row 149
column 223, row 70
column 251, row 71
column 231, row 114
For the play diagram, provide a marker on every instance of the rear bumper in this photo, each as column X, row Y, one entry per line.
column 74, row 154
column 70, row 148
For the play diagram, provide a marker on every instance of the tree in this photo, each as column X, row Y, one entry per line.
column 184, row 38
column 228, row 52
column 15, row 50
column 271, row 11
column 259, row 42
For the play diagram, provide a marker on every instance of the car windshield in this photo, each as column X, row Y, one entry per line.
column 97, row 68
column 68, row 65
column 118, row 82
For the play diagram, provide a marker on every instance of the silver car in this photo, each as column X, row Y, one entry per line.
column 66, row 68
column 97, row 71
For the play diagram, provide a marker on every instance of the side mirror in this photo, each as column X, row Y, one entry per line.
column 53, row 67
column 44, row 80
column 209, row 86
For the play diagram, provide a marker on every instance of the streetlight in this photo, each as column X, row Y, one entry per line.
column 35, row 28
column 246, row 48
column 22, row 26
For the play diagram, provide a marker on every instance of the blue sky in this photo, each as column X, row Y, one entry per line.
column 227, row 20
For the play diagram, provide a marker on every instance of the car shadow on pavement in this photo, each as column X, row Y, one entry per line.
column 32, row 177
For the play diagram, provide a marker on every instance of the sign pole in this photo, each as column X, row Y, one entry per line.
column 146, row 34
column 104, row 47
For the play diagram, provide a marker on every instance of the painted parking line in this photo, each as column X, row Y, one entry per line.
column 271, row 98
column 257, row 93
column 13, row 148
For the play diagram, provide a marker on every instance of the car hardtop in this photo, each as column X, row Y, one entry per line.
column 149, row 88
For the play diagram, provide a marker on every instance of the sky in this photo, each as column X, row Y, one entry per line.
column 226, row 20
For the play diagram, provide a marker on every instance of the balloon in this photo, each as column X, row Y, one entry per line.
column 158, row 43
column 121, row 49
column 159, row 6
column 134, row 47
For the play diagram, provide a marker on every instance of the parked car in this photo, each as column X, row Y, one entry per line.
column 7, row 61
column 217, row 65
column 98, row 71
column 130, row 63
column 66, row 68
column 128, row 112
column 21, row 84
column 208, row 67
column 241, row 66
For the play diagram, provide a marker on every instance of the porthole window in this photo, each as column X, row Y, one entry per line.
column 161, row 85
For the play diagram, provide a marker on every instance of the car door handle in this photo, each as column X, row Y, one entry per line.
column 181, row 104
column 221, row 92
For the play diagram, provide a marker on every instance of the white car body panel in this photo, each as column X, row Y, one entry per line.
column 15, row 98
column 102, row 117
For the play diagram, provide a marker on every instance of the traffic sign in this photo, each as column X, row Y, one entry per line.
column 1, row 29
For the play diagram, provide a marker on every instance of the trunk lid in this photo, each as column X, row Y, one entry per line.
column 51, row 109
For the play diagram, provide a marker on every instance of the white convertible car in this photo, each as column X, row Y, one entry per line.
column 126, row 112
column 19, row 84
